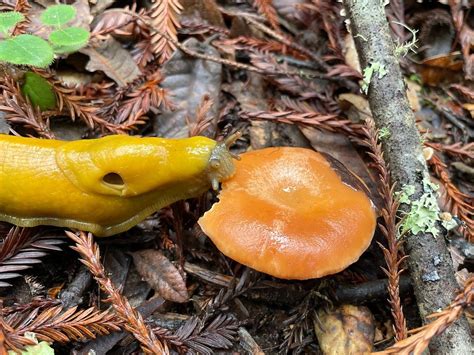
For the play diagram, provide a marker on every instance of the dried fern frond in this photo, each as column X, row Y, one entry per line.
column 55, row 325
column 78, row 106
column 147, row 96
column 123, row 22
column 132, row 320
column 164, row 20
column 252, row 44
column 265, row 7
column 388, row 228
column 35, row 303
column 331, row 123
column 219, row 334
column 203, row 119
column 457, row 150
column 129, row 23
column 20, row 250
column 23, row 7
column 324, row 104
column 327, row 14
column 285, row 80
column 193, row 25
column 458, row 203
column 19, row 111
column 421, row 337
column 142, row 52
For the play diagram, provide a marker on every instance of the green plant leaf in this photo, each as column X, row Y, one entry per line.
column 58, row 15
column 9, row 19
column 26, row 50
column 69, row 39
column 39, row 91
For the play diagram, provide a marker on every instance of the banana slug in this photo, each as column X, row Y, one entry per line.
column 105, row 185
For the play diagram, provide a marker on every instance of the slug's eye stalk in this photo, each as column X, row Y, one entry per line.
column 220, row 165
column 214, row 163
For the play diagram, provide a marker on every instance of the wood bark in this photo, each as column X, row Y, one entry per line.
column 429, row 261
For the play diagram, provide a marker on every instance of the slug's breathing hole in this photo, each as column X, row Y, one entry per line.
column 113, row 179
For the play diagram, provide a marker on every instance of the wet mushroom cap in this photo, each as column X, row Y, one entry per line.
column 287, row 213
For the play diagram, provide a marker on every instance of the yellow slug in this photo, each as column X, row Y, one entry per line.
column 105, row 185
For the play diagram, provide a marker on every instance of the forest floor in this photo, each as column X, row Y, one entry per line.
column 283, row 73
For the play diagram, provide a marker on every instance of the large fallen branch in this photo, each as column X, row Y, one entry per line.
column 429, row 260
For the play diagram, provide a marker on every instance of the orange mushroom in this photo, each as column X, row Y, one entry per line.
column 287, row 213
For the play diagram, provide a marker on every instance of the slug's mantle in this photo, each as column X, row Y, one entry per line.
column 104, row 185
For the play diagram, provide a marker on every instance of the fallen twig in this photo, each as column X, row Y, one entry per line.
column 429, row 260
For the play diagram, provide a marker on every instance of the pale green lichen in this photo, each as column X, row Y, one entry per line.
column 404, row 195
column 384, row 133
column 369, row 73
column 424, row 212
column 402, row 49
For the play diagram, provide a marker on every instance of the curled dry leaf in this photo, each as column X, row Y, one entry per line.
column 161, row 274
column 187, row 80
column 116, row 62
column 345, row 330
column 443, row 68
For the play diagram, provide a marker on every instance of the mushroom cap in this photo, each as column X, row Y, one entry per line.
column 287, row 213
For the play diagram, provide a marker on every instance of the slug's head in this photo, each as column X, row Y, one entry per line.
column 128, row 166
column 220, row 165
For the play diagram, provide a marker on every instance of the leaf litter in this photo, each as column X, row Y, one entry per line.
column 180, row 293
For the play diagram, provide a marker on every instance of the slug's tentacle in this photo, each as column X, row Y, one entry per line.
column 220, row 165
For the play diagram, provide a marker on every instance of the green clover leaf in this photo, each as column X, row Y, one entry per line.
column 26, row 49
column 8, row 20
column 69, row 39
column 58, row 15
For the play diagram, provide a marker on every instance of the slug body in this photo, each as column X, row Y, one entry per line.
column 105, row 185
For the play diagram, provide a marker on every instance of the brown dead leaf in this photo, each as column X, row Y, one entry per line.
column 116, row 62
column 346, row 330
column 187, row 81
column 161, row 275
column 350, row 53
column 205, row 10
column 413, row 89
column 470, row 108
column 442, row 68
column 356, row 107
